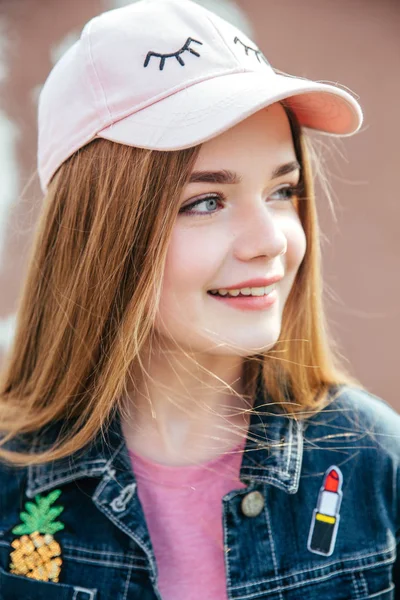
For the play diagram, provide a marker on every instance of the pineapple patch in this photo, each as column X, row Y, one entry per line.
column 36, row 553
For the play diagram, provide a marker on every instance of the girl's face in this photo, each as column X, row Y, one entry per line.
column 237, row 231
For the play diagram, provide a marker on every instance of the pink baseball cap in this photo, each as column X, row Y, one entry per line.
column 167, row 75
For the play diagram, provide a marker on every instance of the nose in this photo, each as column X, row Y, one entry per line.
column 259, row 233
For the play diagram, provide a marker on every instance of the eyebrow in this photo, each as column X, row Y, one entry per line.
column 230, row 177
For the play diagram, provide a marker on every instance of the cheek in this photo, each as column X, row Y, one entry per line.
column 296, row 244
column 191, row 262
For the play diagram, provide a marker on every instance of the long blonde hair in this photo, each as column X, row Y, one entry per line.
column 89, row 299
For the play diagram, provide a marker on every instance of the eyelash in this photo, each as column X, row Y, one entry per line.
column 176, row 54
column 293, row 190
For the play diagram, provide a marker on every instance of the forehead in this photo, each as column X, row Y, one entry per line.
column 264, row 136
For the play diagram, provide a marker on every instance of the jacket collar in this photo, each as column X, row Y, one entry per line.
column 273, row 453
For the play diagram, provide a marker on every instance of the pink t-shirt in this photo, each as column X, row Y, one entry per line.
column 183, row 510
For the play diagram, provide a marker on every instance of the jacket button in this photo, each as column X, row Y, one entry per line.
column 252, row 504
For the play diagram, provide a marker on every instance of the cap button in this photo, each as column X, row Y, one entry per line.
column 252, row 504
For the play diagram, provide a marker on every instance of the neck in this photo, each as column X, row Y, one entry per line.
column 186, row 408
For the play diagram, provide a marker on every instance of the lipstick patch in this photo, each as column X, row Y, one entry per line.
column 325, row 519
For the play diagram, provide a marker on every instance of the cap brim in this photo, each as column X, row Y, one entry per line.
column 201, row 111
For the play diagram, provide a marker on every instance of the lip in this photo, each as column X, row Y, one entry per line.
column 246, row 303
column 260, row 282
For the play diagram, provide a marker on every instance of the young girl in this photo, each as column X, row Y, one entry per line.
column 175, row 422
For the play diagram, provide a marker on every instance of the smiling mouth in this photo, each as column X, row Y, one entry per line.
column 245, row 292
column 247, row 302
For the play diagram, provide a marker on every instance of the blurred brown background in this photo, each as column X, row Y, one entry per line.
column 355, row 43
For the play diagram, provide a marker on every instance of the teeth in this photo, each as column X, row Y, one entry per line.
column 255, row 291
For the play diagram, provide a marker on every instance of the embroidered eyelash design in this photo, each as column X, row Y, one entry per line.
column 177, row 54
column 258, row 53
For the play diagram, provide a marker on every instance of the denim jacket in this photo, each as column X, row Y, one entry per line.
column 319, row 517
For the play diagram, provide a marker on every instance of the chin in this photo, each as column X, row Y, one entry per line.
column 244, row 348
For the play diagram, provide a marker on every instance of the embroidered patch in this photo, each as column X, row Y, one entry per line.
column 325, row 519
column 257, row 52
column 177, row 54
column 38, row 556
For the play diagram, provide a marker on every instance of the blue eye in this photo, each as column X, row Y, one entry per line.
column 286, row 194
column 188, row 208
